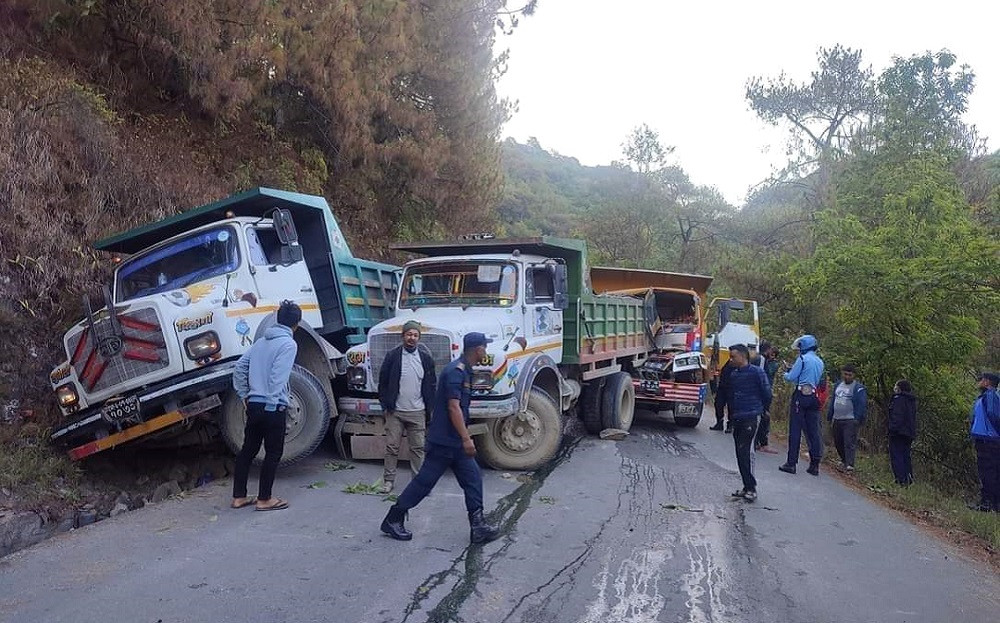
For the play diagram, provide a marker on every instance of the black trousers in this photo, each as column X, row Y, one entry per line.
column 262, row 426
column 988, row 462
column 763, row 430
column 804, row 416
column 744, row 431
column 720, row 409
column 899, row 458
column 845, row 438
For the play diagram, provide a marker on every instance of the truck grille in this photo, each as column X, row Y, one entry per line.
column 439, row 346
column 103, row 359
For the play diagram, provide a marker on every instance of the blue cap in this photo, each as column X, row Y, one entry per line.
column 475, row 339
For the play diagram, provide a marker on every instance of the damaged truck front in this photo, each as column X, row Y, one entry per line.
column 153, row 362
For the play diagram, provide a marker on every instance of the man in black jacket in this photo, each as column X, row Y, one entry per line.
column 406, row 386
column 722, row 399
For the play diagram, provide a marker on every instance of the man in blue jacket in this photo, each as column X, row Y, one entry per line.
column 805, row 375
column 846, row 411
column 261, row 380
column 749, row 398
column 985, row 433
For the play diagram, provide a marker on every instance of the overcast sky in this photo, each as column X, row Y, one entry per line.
column 585, row 72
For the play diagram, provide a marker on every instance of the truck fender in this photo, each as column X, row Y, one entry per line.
column 335, row 360
column 539, row 371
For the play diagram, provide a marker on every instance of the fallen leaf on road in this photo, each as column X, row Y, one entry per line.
column 681, row 507
column 163, row 529
column 545, row 499
column 214, row 518
column 347, row 536
column 319, row 484
column 337, row 466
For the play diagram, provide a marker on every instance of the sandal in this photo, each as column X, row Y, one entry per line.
column 277, row 506
column 246, row 502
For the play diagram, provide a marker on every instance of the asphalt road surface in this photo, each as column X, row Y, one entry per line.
column 639, row 530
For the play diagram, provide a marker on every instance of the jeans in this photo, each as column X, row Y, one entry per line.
column 988, row 462
column 437, row 460
column 262, row 426
column 803, row 414
column 845, row 438
column 899, row 458
column 415, row 424
column 744, row 431
column 763, row 430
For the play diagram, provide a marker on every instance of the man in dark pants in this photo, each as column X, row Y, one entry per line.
column 847, row 413
column 750, row 396
column 261, row 380
column 985, row 432
column 449, row 445
column 806, row 375
column 722, row 399
column 406, row 385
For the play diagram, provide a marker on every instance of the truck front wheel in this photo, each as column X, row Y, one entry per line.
column 308, row 418
column 523, row 440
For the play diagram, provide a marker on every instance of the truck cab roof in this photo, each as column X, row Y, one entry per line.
column 253, row 203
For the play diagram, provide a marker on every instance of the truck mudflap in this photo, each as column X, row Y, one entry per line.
column 145, row 428
column 670, row 391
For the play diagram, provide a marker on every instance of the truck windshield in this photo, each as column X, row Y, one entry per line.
column 200, row 256
column 491, row 284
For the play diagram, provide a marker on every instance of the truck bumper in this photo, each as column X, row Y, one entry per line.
column 478, row 409
column 91, row 426
column 668, row 391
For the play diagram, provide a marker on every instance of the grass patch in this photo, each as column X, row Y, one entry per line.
column 33, row 475
column 945, row 509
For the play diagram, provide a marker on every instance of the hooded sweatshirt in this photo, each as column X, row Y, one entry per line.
column 261, row 374
column 986, row 416
column 903, row 415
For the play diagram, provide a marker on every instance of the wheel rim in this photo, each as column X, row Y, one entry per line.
column 295, row 417
column 519, row 433
column 626, row 409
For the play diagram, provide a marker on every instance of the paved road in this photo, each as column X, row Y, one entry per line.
column 635, row 531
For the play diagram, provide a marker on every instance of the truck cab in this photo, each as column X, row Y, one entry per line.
column 190, row 297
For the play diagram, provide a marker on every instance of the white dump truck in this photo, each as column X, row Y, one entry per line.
column 190, row 293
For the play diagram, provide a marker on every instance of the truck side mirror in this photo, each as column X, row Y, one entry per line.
column 284, row 226
column 560, row 297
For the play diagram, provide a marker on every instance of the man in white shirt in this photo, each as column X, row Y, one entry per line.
column 406, row 387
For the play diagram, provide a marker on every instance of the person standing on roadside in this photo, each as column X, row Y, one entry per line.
column 902, row 431
column 805, row 375
column 750, row 396
column 847, row 413
column 261, row 380
column 722, row 399
column 449, row 445
column 770, row 370
column 406, row 384
column 985, row 433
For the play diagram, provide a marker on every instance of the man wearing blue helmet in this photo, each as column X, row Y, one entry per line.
column 806, row 375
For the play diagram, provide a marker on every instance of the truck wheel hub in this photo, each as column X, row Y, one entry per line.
column 520, row 433
column 293, row 417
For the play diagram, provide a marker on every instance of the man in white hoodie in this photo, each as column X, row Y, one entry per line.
column 261, row 380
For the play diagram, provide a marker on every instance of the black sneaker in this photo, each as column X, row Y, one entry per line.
column 750, row 496
column 739, row 494
column 788, row 469
column 716, row 427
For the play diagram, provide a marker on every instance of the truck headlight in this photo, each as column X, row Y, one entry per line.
column 356, row 376
column 202, row 345
column 66, row 395
column 482, row 379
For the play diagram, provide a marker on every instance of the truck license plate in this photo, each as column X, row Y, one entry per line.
column 122, row 409
column 650, row 387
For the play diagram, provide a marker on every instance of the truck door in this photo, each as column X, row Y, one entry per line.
column 277, row 281
column 543, row 321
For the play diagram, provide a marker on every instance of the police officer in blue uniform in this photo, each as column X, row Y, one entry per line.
column 449, row 445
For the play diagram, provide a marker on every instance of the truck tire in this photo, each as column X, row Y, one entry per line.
column 690, row 421
column 308, row 418
column 618, row 402
column 523, row 441
column 590, row 406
